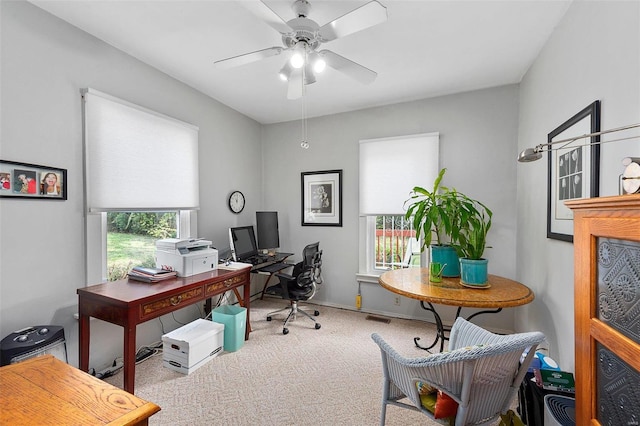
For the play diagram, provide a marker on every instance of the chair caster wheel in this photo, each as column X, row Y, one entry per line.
column 317, row 326
column 316, row 313
column 285, row 331
column 268, row 318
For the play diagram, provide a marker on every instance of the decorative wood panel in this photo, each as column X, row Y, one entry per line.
column 607, row 310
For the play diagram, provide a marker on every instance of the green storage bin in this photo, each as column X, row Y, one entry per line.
column 234, row 319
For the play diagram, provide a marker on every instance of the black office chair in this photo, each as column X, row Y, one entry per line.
column 301, row 284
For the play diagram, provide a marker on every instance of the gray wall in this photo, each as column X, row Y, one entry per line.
column 478, row 132
column 593, row 54
column 44, row 63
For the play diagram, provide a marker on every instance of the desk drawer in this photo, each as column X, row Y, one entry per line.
column 222, row 286
column 169, row 303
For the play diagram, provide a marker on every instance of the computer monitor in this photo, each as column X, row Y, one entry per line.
column 243, row 242
column 267, row 226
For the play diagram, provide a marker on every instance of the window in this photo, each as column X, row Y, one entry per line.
column 129, row 185
column 395, row 243
column 389, row 169
column 131, row 239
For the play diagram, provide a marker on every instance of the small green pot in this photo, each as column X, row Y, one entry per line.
column 473, row 272
column 446, row 255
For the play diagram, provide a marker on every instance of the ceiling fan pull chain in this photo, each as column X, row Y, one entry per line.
column 304, row 144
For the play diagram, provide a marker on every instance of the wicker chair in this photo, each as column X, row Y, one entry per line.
column 481, row 372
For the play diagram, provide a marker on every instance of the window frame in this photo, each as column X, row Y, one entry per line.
column 96, row 241
column 370, row 249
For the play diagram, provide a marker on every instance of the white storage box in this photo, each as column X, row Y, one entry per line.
column 191, row 346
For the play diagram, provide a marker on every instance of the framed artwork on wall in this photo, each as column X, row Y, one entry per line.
column 573, row 169
column 24, row 180
column 322, row 198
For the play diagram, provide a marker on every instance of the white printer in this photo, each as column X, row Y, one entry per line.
column 187, row 257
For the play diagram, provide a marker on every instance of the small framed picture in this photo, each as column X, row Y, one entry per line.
column 322, row 198
column 24, row 180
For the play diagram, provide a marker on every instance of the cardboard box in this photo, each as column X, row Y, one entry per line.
column 191, row 346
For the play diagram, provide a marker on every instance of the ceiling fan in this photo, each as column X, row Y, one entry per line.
column 302, row 37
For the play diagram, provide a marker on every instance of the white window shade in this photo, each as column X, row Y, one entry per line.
column 137, row 159
column 391, row 167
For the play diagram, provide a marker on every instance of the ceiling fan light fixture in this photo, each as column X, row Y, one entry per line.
column 297, row 59
column 302, row 36
column 309, row 76
column 318, row 62
column 285, row 72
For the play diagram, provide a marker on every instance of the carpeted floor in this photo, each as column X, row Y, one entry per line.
column 330, row 376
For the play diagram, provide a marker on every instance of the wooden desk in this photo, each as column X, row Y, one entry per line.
column 414, row 283
column 47, row 391
column 128, row 303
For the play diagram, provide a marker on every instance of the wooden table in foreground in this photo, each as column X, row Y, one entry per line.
column 414, row 283
column 47, row 391
column 128, row 303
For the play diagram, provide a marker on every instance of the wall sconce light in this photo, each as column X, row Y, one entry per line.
column 533, row 154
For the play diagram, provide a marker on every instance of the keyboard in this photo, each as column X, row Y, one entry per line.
column 255, row 260
column 275, row 267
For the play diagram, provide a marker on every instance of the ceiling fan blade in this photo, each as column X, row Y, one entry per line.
column 350, row 68
column 295, row 85
column 265, row 13
column 247, row 58
column 365, row 16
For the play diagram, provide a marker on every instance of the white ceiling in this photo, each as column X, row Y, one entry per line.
column 426, row 48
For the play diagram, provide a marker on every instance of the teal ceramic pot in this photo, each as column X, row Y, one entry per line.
column 446, row 255
column 473, row 272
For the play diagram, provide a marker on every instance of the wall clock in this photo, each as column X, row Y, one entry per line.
column 236, row 201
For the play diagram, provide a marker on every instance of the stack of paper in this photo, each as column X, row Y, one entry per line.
column 150, row 275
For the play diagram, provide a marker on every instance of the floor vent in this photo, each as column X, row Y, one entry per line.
column 378, row 319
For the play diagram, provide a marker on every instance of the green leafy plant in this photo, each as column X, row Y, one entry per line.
column 443, row 213
column 471, row 240
column 436, row 214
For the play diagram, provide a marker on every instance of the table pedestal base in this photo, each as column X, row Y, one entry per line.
column 441, row 330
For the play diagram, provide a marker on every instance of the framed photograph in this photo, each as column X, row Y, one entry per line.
column 322, row 198
column 573, row 169
column 23, row 180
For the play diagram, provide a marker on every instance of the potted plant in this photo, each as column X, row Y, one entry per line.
column 436, row 216
column 471, row 241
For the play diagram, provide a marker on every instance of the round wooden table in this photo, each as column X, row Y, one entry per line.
column 414, row 283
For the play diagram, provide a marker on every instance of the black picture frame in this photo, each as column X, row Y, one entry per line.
column 321, row 198
column 573, row 169
column 32, row 181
